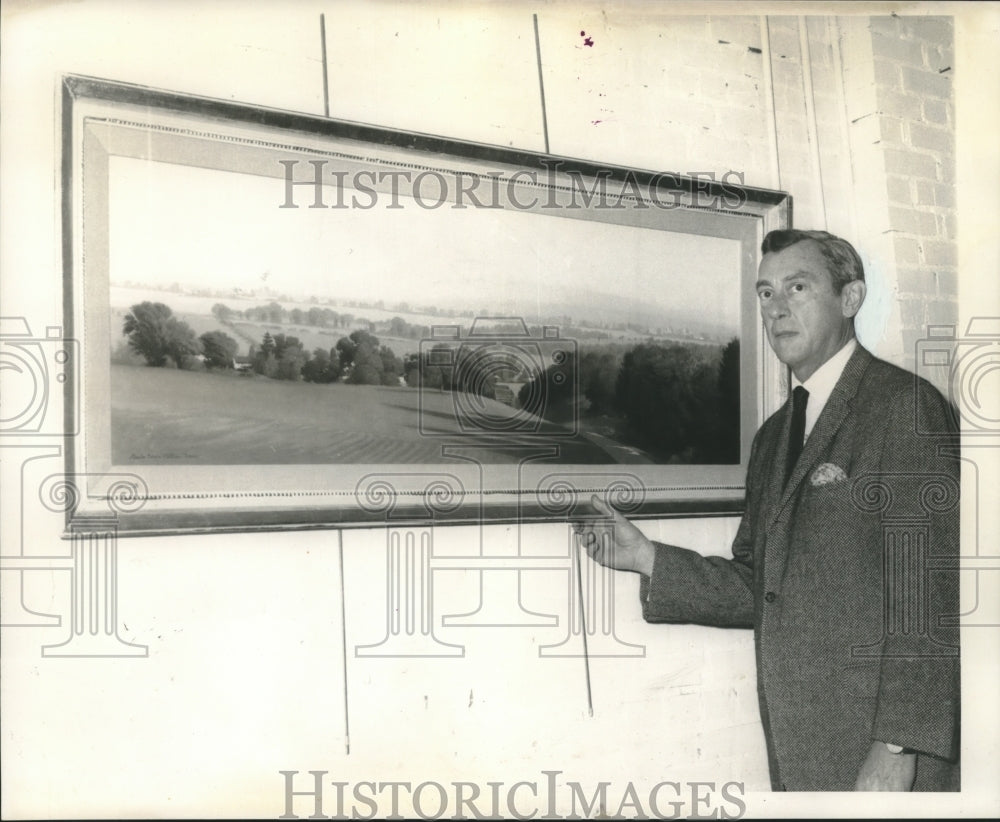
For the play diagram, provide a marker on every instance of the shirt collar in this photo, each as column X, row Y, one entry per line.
column 824, row 379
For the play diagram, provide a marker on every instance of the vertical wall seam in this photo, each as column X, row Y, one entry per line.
column 833, row 29
column 770, row 104
column 812, row 125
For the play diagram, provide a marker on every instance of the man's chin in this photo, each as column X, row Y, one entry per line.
column 784, row 349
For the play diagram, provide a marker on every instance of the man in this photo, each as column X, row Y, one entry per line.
column 857, row 668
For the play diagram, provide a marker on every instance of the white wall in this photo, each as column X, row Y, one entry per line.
column 245, row 671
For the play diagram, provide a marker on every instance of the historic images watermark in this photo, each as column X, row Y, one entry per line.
column 315, row 796
column 522, row 190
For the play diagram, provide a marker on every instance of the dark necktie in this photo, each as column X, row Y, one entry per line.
column 798, row 432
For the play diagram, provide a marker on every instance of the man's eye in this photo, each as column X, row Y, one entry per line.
column 764, row 295
column 798, row 287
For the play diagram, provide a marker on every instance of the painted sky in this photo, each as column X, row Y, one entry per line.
column 220, row 230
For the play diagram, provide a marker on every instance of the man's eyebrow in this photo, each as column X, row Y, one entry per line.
column 802, row 272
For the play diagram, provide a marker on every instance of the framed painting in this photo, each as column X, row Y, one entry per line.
column 290, row 321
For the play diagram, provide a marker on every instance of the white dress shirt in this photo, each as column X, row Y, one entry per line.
column 821, row 384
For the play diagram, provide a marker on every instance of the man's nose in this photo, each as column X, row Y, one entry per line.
column 777, row 306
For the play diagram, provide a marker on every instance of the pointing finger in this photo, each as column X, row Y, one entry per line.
column 601, row 506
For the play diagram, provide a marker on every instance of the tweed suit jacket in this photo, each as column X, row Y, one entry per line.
column 844, row 576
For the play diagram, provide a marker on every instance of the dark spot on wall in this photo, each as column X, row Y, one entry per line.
column 754, row 50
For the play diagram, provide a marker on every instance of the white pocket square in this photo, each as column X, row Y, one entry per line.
column 827, row 474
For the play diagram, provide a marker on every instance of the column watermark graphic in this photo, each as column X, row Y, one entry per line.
column 413, row 625
column 33, row 430
column 542, row 369
column 914, row 624
column 591, row 586
column 967, row 368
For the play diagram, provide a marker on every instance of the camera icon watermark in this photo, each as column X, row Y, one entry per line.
column 968, row 368
column 503, row 381
column 30, row 366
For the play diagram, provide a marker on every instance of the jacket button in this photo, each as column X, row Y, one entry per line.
column 770, row 596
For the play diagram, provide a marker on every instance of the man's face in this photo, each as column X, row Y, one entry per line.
column 806, row 321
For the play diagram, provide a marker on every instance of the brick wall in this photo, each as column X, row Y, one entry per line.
column 851, row 115
column 914, row 64
column 882, row 125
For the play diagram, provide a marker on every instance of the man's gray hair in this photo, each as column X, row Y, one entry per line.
column 843, row 262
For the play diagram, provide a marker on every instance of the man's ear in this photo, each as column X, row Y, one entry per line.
column 852, row 295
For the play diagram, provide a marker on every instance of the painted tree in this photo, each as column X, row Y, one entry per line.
column 219, row 349
column 364, row 361
column 158, row 336
column 322, row 367
column 729, row 404
column 222, row 312
column 669, row 396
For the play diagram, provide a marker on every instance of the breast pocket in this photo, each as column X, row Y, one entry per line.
column 827, row 503
column 832, row 531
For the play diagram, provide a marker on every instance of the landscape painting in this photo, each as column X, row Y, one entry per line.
column 276, row 310
column 369, row 336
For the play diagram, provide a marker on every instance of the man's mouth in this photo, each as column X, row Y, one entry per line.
column 781, row 334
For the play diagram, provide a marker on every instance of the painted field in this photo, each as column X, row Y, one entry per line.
column 173, row 417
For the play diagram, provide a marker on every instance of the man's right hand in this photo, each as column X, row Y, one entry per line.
column 616, row 542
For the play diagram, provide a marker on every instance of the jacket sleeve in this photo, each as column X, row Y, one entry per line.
column 688, row 587
column 919, row 688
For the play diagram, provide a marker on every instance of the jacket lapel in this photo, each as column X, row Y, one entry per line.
column 826, row 427
column 776, row 474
